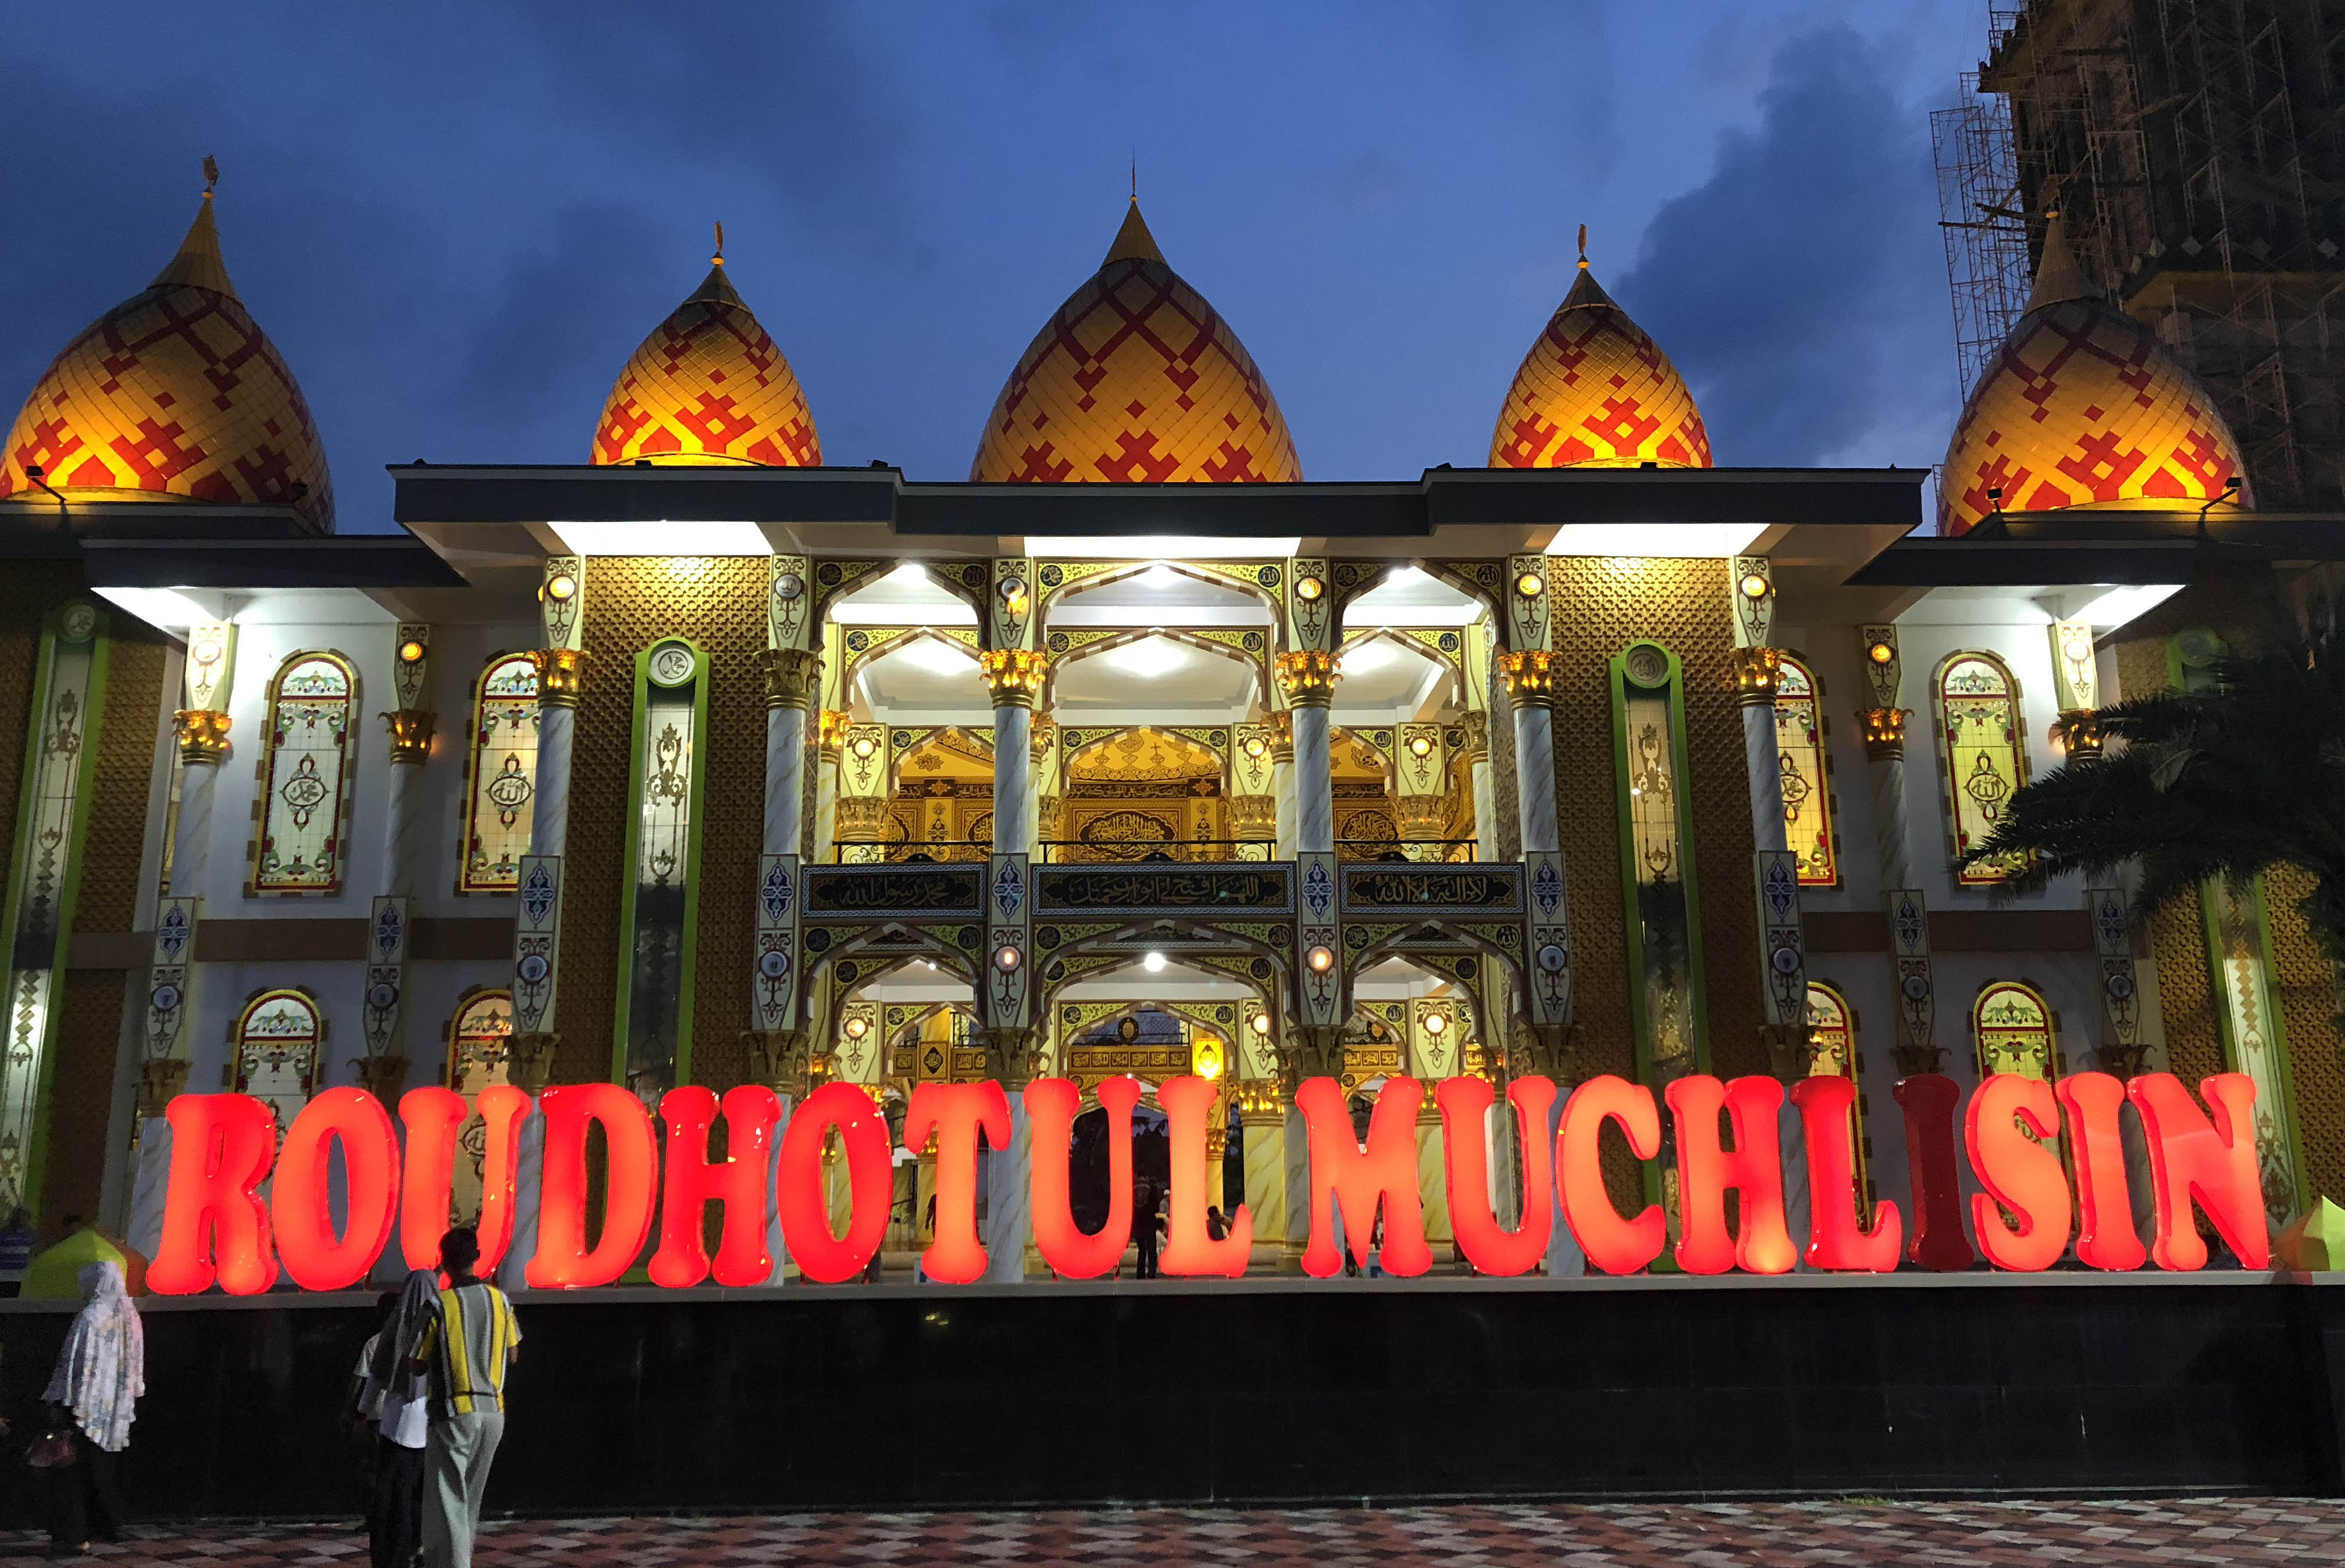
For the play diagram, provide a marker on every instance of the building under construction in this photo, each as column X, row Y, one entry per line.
column 2197, row 150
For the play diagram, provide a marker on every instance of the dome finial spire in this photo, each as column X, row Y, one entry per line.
column 719, row 260
column 211, row 174
column 1132, row 240
column 197, row 264
column 2058, row 275
column 1583, row 248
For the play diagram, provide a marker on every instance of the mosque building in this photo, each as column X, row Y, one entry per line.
column 1136, row 753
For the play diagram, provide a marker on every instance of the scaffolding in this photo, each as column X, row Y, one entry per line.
column 2196, row 151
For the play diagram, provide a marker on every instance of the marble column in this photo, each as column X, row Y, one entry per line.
column 1014, row 677
column 1529, row 679
column 1308, row 679
column 1282, row 774
column 557, row 721
column 833, row 730
column 1476, row 725
column 791, row 675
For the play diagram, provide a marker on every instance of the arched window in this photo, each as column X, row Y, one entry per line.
column 500, row 776
column 306, row 776
column 1832, row 1053
column 1807, row 784
column 477, row 1057
column 2014, row 1031
column 1979, row 731
column 275, row 1051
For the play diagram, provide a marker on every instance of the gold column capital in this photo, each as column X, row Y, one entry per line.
column 1045, row 735
column 160, row 1081
column 1476, row 725
column 1757, row 670
column 792, row 676
column 1884, row 733
column 203, row 735
column 1307, row 676
column 1530, row 677
column 833, row 733
column 1282, row 737
column 384, row 1077
column 558, row 674
column 410, row 733
column 2080, row 732
column 1013, row 675
column 529, row 1059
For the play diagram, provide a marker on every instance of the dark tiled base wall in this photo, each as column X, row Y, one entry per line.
column 1336, row 1391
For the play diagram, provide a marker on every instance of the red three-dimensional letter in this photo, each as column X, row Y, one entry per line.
column 1614, row 1245
column 1929, row 1101
column 2211, row 1161
column 1754, row 1169
column 1051, row 1106
column 563, row 1261
column 1384, row 1175
column 955, row 1112
column 2105, row 1233
column 736, row 1181
column 1188, row 1103
column 2018, row 1172
column 1835, row 1239
column 799, row 1199
column 220, row 1148
column 1465, row 1104
column 314, row 1256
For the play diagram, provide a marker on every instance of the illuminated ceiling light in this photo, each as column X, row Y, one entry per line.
column 1403, row 578
column 1153, row 964
column 937, row 657
column 167, row 609
column 2115, row 606
column 1146, row 546
column 1365, row 658
column 911, row 574
column 1151, row 657
column 1655, row 541
column 1160, row 576
column 663, row 537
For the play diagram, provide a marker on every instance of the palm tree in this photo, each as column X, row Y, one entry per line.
column 2228, row 780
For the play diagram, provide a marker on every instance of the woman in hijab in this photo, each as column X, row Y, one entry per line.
column 393, row 1397
column 100, row 1374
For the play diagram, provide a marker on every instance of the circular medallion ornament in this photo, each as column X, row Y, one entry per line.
column 382, row 997
column 1786, row 960
column 1647, row 665
column 1551, row 958
column 788, row 586
column 532, row 969
column 1309, row 589
column 670, row 665
column 1321, row 959
column 2119, row 987
column 773, row 964
column 165, row 999
column 1916, row 988
column 79, row 624
column 1007, row 957
column 1531, row 585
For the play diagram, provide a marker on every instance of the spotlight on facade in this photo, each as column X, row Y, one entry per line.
column 1006, row 957
column 1435, row 1022
column 1531, row 585
column 1153, row 964
column 1879, row 652
column 559, row 587
column 1308, row 589
column 1754, row 586
column 1420, row 746
column 411, row 652
column 1321, row 959
column 1259, row 1022
column 857, row 1028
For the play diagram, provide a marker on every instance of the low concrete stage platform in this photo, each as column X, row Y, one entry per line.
column 1285, row 1391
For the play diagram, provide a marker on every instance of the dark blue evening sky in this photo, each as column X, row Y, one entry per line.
column 457, row 222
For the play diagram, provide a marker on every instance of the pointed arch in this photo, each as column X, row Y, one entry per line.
column 1255, row 667
column 500, row 775
column 2015, row 1030
column 306, row 774
column 275, row 1049
column 1810, row 828
column 1982, row 755
column 866, row 645
column 1261, row 581
column 1450, row 660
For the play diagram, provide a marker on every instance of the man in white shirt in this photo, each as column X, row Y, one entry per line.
column 392, row 1396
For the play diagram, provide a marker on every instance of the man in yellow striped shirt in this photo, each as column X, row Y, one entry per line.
column 466, row 1347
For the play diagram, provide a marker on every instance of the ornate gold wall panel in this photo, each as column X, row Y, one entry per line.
column 2304, row 984
column 81, row 1094
column 1602, row 605
column 633, row 601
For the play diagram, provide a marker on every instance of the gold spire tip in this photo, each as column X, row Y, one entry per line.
column 719, row 258
column 211, row 174
column 1583, row 247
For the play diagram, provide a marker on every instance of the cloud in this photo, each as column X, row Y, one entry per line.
column 1801, row 289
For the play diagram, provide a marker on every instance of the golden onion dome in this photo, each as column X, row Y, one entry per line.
column 709, row 386
column 1135, row 379
column 175, row 395
column 2084, row 410
column 1595, row 392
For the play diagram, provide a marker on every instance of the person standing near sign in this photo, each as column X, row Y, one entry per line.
column 100, row 1374
column 466, row 1347
column 392, row 1397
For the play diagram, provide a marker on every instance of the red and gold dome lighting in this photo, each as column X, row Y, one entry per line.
column 708, row 387
column 2084, row 410
column 1135, row 379
column 1595, row 391
column 175, row 395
